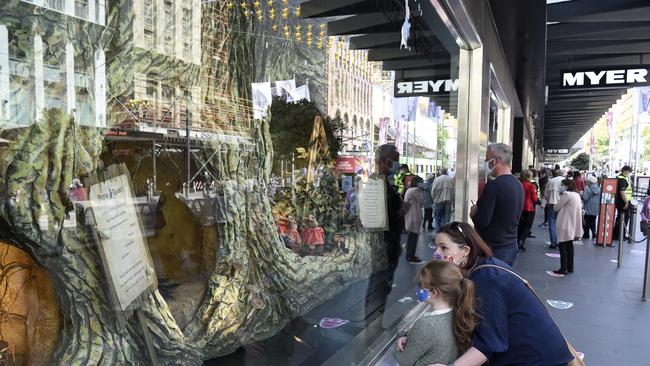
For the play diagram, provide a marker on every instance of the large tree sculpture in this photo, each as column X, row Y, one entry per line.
column 257, row 284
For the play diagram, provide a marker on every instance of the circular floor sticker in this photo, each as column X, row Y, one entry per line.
column 329, row 323
column 562, row 305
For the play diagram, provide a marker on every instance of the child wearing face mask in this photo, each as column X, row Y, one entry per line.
column 442, row 334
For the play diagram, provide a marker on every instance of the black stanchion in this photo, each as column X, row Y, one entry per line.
column 621, row 235
column 645, row 271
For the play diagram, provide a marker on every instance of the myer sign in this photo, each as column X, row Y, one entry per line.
column 557, row 151
column 598, row 77
column 423, row 87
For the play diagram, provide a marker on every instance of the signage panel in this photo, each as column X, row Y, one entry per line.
column 423, row 87
column 600, row 77
column 556, row 151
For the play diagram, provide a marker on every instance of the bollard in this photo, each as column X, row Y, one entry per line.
column 645, row 271
column 632, row 232
column 621, row 235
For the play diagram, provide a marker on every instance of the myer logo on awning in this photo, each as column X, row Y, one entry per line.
column 600, row 78
column 412, row 88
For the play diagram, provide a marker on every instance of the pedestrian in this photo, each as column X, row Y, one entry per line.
column 645, row 213
column 387, row 164
column 580, row 182
column 442, row 193
column 515, row 328
column 622, row 201
column 569, row 224
column 402, row 178
column 591, row 204
column 428, row 201
column 414, row 200
column 528, row 212
column 497, row 212
column 440, row 334
column 543, row 181
column 552, row 195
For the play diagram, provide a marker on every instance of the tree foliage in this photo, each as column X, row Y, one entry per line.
column 581, row 162
column 291, row 126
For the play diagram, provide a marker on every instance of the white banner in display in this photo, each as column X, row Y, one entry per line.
column 372, row 204
column 123, row 248
column 424, row 87
column 598, row 77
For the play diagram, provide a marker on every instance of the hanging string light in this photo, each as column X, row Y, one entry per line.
column 272, row 13
column 285, row 13
column 296, row 11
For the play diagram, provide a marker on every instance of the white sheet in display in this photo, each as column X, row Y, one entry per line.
column 122, row 239
column 372, row 204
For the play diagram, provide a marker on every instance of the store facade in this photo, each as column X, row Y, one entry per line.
column 170, row 189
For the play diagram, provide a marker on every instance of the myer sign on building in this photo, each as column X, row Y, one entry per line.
column 423, row 87
column 598, row 77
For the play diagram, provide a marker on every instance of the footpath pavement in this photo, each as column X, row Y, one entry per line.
column 607, row 321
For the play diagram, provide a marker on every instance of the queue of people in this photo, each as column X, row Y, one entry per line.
column 481, row 310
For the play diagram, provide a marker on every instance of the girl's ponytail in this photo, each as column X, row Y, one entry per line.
column 465, row 317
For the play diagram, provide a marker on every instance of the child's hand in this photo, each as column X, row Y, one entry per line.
column 401, row 343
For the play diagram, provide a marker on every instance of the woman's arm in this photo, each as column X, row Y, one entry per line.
column 564, row 198
column 472, row 357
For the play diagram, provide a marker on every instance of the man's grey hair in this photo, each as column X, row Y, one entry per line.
column 526, row 174
column 503, row 152
column 443, row 171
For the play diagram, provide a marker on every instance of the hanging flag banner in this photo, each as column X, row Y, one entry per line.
column 405, row 108
column 644, row 100
column 399, row 135
column 609, row 117
column 262, row 98
column 300, row 93
column 383, row 127
column 285, row 88
column 592, row 142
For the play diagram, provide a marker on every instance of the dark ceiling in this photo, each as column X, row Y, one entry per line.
column 522, row 31
column 589, row 33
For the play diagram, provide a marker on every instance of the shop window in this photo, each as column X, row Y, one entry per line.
column 148, row 18
column 170, row 27
column 81, row 8
column 187, row 33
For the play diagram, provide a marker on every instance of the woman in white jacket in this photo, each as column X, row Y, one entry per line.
column 569, row 224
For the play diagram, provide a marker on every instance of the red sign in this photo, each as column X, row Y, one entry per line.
column 114, row 132
column 607, row 213
column 345, row 165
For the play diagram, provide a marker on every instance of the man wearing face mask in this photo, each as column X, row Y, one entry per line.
column 497, row 212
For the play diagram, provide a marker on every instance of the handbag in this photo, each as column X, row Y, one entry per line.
column 576, row 359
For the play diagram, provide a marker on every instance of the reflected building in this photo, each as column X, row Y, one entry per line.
column 350, row 94
column 160, row 45
column 52, row 57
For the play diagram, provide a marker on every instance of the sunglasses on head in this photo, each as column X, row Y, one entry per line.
column 456, row 226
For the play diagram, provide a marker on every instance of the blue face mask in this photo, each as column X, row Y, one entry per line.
column 437, row 257
column 562, row 189
column 421, row 293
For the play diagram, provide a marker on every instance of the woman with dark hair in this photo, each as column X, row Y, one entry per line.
column 515, row 328
column 569, row 224
column 414, row 200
